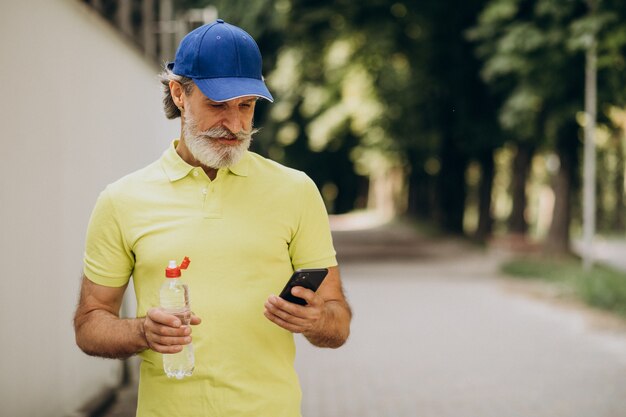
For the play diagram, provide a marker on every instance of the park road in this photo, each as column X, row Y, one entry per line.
column 438, row 333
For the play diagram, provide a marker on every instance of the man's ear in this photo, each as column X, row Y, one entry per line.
column 178, row 93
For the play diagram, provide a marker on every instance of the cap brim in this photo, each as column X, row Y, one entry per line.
column 224, row 89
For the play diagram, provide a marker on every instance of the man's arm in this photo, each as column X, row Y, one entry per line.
column 101, row 332
column 324, row 321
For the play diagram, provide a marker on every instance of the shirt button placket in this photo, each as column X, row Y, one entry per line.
column 213, row 206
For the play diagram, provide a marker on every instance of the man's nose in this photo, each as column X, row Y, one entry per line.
column 232, row 120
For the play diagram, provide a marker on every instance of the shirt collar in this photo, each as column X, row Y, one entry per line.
column 241, row 168
column 176, row 168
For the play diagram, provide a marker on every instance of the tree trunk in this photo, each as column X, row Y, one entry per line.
column 413, row 203
column 451, row 190
column 521, row 168
column 343, row 176
column 558, row 236
column 603, row 173
column 558, row 239
column 419, row 204
column 590, row 161
column 618, row 184
column 485, row 217
column 422, row 191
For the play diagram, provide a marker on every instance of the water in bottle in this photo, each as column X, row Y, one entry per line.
column 175, row 300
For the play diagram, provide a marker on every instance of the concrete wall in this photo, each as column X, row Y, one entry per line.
column 79, row 108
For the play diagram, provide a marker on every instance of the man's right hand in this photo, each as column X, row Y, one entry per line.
column 165, row 333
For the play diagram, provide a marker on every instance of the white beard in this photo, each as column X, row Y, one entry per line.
column 207, row 150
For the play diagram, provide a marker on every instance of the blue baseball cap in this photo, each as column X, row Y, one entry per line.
column 223, row 61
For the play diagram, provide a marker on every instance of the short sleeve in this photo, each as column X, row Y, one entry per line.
column 312, row 245
column 108, row 259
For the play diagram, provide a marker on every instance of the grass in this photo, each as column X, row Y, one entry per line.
column 602, row 287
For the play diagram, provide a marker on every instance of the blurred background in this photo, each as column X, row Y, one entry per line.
column 501, row 122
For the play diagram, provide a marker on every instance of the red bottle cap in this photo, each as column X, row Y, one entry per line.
column 173, row 271
column 185, row 263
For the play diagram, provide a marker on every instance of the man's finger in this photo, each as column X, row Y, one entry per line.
column 282, row 323
column 285, row 315
column 304, row 293
column 168, row 331
column 291, row 308
column 167, row 349
column 157, row 315
column 171, row 341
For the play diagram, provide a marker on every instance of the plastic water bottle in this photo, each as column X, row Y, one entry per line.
column 175, row 300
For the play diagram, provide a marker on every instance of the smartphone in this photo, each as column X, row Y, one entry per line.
column 307, row 278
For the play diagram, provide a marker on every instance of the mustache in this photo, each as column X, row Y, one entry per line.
column 221, row 132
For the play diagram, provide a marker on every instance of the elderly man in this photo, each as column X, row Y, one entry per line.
column 245, row 222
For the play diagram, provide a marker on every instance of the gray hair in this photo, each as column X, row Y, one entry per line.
column 171, row 110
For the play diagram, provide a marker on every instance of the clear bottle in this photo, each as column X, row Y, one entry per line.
column 175, row 300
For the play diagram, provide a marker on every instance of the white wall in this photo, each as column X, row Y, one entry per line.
column 79, row 108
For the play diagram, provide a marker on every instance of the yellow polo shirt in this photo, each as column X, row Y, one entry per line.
column 245, row 232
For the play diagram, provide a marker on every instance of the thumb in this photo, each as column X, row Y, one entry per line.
column 195, row 319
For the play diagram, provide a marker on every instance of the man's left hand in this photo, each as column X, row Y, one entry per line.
column 294, row 317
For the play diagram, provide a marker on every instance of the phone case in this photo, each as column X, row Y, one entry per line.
column 307, row 278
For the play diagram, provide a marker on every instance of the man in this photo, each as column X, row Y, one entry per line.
column 245, row 222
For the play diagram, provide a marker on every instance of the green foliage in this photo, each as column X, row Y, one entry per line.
column 549, row 269
column 601, row 287
column 524, row 47
column 531, row 49
column 430, row 86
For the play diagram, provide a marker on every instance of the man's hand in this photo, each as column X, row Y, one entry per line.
column 101, row 332
column 165, row 333
column 324, row 321
column 294, row 317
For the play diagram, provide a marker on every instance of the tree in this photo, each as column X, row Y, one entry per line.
column 527, row 58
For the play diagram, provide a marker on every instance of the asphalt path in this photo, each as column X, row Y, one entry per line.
column 438, row 332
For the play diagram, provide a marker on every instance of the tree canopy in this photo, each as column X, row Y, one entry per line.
column 435, row 90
